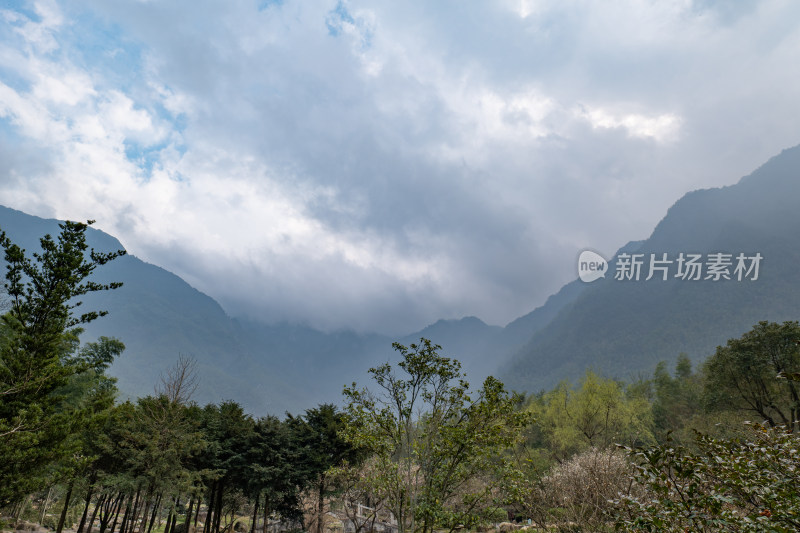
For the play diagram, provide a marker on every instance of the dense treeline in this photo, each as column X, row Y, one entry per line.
column 127, row 464
column 417, row 451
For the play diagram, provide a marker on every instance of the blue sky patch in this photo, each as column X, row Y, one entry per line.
column 102, row 47
column 336, row 19
column 266, row 4
column 14, row 80
column 144, row 157
column 21, row 6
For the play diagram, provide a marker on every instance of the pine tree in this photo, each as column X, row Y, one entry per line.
column 39, row 353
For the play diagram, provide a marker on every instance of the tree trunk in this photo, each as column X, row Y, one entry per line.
column 208, row 525
column 131, row 525
column 113, row 511
column 218, row 511
column 255, row 515
column 266, row 512
column 189, row 513
column 156, row 509
column 100, row 501
column 127, row 502
column 160, row 514
column 173, row 509
column 44, row 506
column 106, row 510
column 18, row 508
column 175, row 516
column 89, row 493
column 197, row 511
column 143, row 522
column 124, row 516
column 66, row 506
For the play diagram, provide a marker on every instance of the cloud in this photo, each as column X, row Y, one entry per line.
column 379, row 165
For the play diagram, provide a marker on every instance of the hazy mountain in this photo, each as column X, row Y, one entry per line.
column 159, row 316
column 267, row 368
column 618, row 328
column 623, row 328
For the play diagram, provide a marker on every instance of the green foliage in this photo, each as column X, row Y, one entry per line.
column 744, row 374
column 439, row 450
column 320, row 435
column 678, row 398
column 627, row 327
column 597, row 413
column 419, row 443
column 323, row 447
column 38, row 341
column 727, row 485
column 276, row 467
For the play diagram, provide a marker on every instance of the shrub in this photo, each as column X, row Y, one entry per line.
column 576, row 495
column 746, row 485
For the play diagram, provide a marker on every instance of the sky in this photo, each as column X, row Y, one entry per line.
column 378, row 165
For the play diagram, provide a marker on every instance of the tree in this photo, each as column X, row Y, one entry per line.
column 180, row 382
column 38, row 343
column 440, row 451
column 745, row 374
column 361, row 503
column 576, row 495
column 677, row 399
column 229, row 433
column 320, row 434
column 275, row 470
column 598, row 413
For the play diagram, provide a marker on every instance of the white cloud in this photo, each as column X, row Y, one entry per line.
column 38, row 34
column 661, row 128
column 381, row 165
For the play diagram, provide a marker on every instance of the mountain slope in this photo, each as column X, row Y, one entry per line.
column 623, row 328
column 619, row 328
column 267, row 368
column 159, row 316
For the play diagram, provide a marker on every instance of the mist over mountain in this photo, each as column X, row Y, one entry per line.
column 159, row 316
column 623, row 328
column 269, row 368
column 618, row 328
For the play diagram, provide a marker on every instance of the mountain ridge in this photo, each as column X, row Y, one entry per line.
column 624, row 328
column 620, row 329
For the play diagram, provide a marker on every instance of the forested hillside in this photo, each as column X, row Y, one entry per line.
column 623, row 328
column 619, row 328
column 415, row 448
column 269, row 368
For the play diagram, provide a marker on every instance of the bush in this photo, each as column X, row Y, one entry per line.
column 737, row 484
column 576, row 495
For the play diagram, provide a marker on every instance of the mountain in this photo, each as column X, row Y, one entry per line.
column 268, row 368
column 622, row 328
column 619, row 328
column 159, row 316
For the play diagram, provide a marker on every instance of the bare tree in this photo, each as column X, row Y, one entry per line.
column 362, row 505
column 180, row 382
column 577, row 494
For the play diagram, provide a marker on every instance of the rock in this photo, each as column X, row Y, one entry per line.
column 181, row 528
